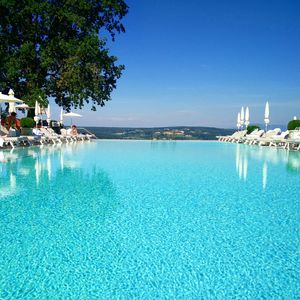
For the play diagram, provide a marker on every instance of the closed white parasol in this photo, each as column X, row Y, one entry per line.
column 48, row 115
column 37, row 112
column 242, row 117
column 247, row 117
column 267, row 115
column 61, row 117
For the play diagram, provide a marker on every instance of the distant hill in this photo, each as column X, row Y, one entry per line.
column 160, row 133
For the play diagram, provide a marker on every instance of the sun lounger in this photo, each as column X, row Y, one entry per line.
column 253, row 136
column 73, row 138
column 62, row 137
column 267, row 138
column 69, row 138
column 223, row 138
column 54, row 138
column 279, row 140
column 293, row 142
column 7, row 141
column 239, row 137
column 236, row 136
column 10, row 141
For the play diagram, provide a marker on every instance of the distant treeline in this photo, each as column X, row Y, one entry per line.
column 160, row 133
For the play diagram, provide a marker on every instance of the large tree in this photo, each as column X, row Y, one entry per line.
column 58, row 48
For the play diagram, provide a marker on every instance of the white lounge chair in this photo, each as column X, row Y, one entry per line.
column 38, row 137
column 254, row 135
column 279, row 140
column 69, row 138
column 236, row 136
column 54, row 138
column 267, row 138
column 293, row 142
column 12, row 141
column 8, row 141
column 223, row 138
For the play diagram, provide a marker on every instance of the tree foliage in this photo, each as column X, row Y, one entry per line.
column 58, row 48
column 293, row 124
column 251, row 128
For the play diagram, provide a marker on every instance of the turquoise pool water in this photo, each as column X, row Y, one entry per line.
column 149, row 220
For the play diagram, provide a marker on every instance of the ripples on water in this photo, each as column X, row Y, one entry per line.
column 149, row 220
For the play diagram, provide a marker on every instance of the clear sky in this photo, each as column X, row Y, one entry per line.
column 197, row 62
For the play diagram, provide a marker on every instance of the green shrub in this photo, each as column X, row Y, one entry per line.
column 252, row 128
column 27, row 123
column 292, row 125
column 4, row 115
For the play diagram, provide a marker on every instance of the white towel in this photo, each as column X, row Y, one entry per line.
column 1, row 142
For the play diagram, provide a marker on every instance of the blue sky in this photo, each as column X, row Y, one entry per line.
column 197, row 62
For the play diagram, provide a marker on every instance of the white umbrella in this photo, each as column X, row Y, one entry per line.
column 242, row 116
column 10, row 98
column 238, row 121
column 48, row 115
column 72, row 115
column 61, row 117
column 37, row 111
column 22, row 106
column 247, row 117
column 4, row 98
column 267, row 115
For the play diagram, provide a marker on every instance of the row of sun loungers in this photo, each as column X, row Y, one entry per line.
column 234, row 137
column 273, row 138
column 46, row 136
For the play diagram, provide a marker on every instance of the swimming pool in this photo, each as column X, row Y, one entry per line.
column 149, row 220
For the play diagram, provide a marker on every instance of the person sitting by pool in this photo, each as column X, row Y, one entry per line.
column 73, row 130
column 3, row 120
column 13, row 124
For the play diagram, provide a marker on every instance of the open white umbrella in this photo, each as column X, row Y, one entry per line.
column 267, row 115
column 3, row 97
column 247, row 117
column 242, row 116
column 10, row 98
column 48, row 115
column 22, row 106
column 72, row 115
